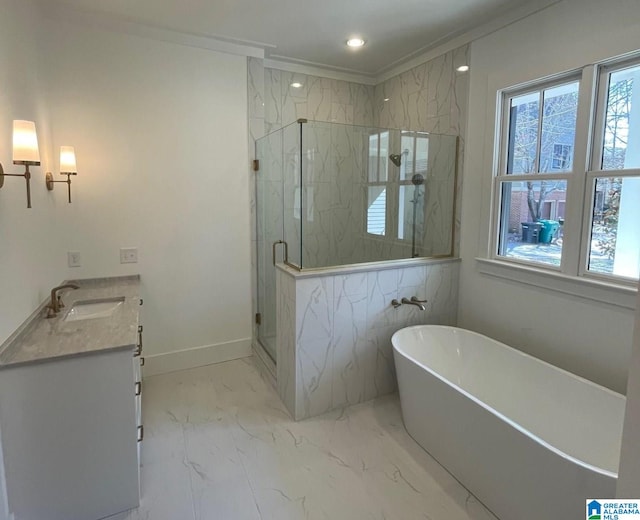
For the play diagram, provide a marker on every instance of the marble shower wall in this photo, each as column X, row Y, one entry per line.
column 334, row 330
column 272, row 104
column 328, row 205
column 432, row 97
column 319, row 99
column 333, row 208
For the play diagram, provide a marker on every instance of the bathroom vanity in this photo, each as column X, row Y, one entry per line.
column 70, row 407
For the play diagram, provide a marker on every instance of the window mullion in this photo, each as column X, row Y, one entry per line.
column 577, row 218
column 587, row 223
column 595, row 162
column 503, row 142
column 496, row 221
column 378, row 161
column 540, row 118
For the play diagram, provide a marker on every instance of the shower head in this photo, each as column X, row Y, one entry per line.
column 395, row 159
column 417, row 179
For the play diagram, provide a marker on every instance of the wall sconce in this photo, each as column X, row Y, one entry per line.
column 25, row 152
column 67, row 167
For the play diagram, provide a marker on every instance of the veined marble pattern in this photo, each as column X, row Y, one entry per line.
column 431, row 97
column 286, row 339
column 325, row 211
column 318, row 220
column 340, row 351
column 219, row 445
column 318, row 99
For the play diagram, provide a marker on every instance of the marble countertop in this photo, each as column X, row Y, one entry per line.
column 40, row 339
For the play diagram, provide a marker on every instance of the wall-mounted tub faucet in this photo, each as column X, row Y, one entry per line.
column 414, row 301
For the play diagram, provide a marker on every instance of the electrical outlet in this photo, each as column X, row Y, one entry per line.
column 129, row 255
column 73, row 259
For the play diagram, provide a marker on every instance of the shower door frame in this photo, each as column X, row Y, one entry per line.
column 262, row 251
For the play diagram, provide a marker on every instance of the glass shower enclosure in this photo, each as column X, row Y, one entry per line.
column 331, row 194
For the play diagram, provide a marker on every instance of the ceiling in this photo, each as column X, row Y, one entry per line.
column 314, row 31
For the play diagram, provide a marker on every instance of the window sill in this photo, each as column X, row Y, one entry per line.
column 585, row 288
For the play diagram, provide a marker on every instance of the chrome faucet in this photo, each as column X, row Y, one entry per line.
column 414, row 301
column 56, row 302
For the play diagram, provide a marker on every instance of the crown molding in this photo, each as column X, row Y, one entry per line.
column 60, row 12
column 454, row 40
column 445, row 44
column 63, row 13
column 318, row 69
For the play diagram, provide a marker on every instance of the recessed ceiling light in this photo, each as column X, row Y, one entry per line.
column 355, row 42
column 296, row 85
column 463, row 68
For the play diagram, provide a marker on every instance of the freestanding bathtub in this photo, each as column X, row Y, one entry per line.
column 528, row 439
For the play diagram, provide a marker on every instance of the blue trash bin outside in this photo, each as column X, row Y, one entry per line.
column 548, row 231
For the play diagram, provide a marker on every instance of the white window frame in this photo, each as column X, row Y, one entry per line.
column 595, row 170
column 500, row 174
column 581, row 178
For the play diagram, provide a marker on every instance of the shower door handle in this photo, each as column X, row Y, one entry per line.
column 286, row 251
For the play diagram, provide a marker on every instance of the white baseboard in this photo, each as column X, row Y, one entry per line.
column 156, row 364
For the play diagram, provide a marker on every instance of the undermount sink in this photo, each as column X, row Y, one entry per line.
column 90, row 309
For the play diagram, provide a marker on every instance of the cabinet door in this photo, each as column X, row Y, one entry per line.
column 138, row 389
column 69, row 437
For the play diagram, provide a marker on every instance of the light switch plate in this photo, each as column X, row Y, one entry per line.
column 129, row 255
column 73, row 259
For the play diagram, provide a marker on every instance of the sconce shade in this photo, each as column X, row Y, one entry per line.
column 68, row 160
column 25, row 143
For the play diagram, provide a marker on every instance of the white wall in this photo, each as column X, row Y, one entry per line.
column 582, row 336
column 30, row 256
column 160, row 132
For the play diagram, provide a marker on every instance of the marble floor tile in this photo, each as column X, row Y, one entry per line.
column 219, row 444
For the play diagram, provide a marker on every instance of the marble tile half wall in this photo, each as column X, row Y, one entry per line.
column 334, row 330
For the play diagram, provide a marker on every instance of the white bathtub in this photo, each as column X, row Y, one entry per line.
column 528, row 439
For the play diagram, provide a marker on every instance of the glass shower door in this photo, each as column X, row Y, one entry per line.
column 269, row 210
column 278, row 209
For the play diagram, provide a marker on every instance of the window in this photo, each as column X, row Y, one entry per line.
column 378, row 176
column 562, row 154
column 536, row 170
column 395, row 196
column 376, row 213
column 547, row 189
column 614, row 231
column 415, row 157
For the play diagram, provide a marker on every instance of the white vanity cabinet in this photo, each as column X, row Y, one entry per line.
column 138, row 362
column 70, row 430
